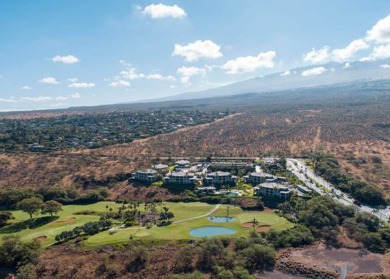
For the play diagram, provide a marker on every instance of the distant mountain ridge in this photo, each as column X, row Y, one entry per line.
column 311, row 76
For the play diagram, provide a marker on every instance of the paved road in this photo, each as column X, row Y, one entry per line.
column 306, row 175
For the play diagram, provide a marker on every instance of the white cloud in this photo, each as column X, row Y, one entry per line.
column 49, row 80
column 38, row 99
column 190, row 71
column 379, row 52
column 314, row 72
column 198, row 49
column 120, row 83
column 250, row 63
column 380, row 32
column 67, row 59
column 131, row 74
column 350, row 50
column 160, row 77
column 72, row 96
column 347, row 65
column 75, row 96
column 158, row 11
column 317, row 56
column 25, row 87
column 286, row 73
column 187, row 72
column 7, row 100
column 386, row 66
column 81, row 85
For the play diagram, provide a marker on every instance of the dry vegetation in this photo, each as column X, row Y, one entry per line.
column 354, row 128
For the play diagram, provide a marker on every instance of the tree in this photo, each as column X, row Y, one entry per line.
column 51, row 207
column 5, row 216
column 27, row 271
column 259, row 257
column 30, row 205
column 166, row 215
column 184, row 260
column 14, row 252
column 135, row 259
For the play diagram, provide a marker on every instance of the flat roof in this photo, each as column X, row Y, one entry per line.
column 182, row 162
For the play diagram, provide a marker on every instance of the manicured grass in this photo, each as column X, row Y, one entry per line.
column 182, row 230
column 67, row 220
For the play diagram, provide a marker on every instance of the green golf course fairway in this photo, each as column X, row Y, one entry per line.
column 184, row 212
column 181, row 230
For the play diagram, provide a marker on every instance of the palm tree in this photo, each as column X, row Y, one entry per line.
column 254, row 224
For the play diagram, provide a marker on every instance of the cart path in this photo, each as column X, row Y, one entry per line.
column 174, row 222
column 197, row 217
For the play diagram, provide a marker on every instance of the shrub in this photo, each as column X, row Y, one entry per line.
column 131, row 223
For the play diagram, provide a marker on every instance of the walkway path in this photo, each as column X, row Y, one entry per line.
column 197, row 217
column 174, row 222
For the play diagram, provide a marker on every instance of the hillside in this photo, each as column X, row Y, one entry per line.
column 330, row 74
column 344, row 120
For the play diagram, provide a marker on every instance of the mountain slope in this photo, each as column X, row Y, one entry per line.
column 319, row 75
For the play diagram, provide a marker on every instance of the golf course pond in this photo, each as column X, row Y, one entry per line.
column 221, row 219
column 211, row 231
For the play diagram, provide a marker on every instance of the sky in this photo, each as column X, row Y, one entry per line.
column 63, row 53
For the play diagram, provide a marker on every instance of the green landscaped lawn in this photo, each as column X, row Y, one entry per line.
column 182, row 230
column 67, row 220
column 63, row 223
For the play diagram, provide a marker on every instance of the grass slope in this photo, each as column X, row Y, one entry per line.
column 182, row 230
column 67, row 220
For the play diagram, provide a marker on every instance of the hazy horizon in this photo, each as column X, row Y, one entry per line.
column 67, row 53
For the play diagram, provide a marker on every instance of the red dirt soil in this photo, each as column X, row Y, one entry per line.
column 259, row 229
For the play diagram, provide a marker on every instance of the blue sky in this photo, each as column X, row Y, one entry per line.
column 62, row 53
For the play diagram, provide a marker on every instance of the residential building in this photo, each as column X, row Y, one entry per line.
column 230, row 165
column 182, row 165
column 258, row 177
column 180, row 178
column 161, row 167
column 205, row 190
column 303, row 189
column 148, row 176
column 273, row 190
column 219, row 177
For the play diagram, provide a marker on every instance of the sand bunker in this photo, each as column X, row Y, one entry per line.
column 41, row 239
column 259, row 228
column 70, row 220
column 247, row 225
column 263, row 228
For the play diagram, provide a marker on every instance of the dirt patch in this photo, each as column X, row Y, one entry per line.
column 259, row 228
column 247, row 225
column 41, row 239
column 263, row 228
column 70, row 220
column 267, row 210
column 201, row 126
column 329, row 262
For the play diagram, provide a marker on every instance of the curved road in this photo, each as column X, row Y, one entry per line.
column 300, row 170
